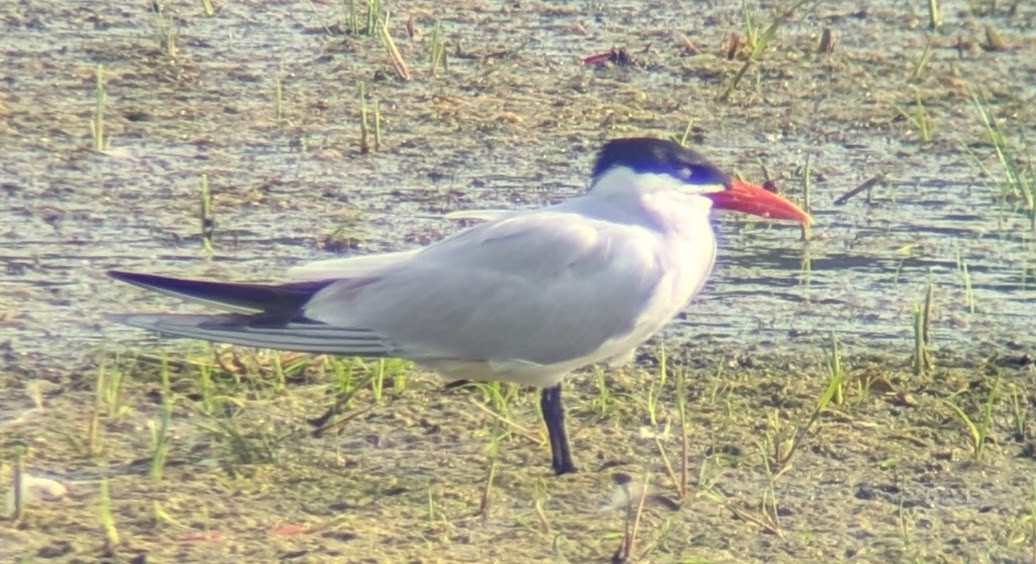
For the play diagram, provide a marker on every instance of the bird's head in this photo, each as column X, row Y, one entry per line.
column 677, row 165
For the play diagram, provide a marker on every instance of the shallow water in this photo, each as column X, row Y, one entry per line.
column 868, row 263
column 73, row 213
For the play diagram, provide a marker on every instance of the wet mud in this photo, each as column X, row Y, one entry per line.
column 263, row 101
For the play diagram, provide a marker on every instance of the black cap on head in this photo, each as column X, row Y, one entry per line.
column 647, row 154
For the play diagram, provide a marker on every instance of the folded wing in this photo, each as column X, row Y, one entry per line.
column 541, row 288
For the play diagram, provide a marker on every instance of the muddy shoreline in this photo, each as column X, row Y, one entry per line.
column 890, row 474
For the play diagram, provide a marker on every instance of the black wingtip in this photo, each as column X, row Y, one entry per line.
column 237, row 297
column 125, row 276
column 151, row 281
column 140, row 278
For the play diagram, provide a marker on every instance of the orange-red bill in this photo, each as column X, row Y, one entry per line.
column 743, row 197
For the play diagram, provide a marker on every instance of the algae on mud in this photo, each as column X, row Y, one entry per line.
column 890, row 474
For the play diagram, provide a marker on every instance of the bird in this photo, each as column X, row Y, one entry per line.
column 523, row 296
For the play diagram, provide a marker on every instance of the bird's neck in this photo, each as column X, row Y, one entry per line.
column 655, row 200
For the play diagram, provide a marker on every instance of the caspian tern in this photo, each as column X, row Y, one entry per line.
column 526, row 296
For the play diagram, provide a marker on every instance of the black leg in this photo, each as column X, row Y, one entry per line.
column 554, row 416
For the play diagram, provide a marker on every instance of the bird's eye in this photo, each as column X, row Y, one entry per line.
column 684, row 173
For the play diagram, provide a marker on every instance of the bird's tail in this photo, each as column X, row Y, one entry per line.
column 266, row 316
column 260, row 332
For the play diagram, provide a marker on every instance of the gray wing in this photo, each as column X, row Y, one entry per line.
column 545, row 287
